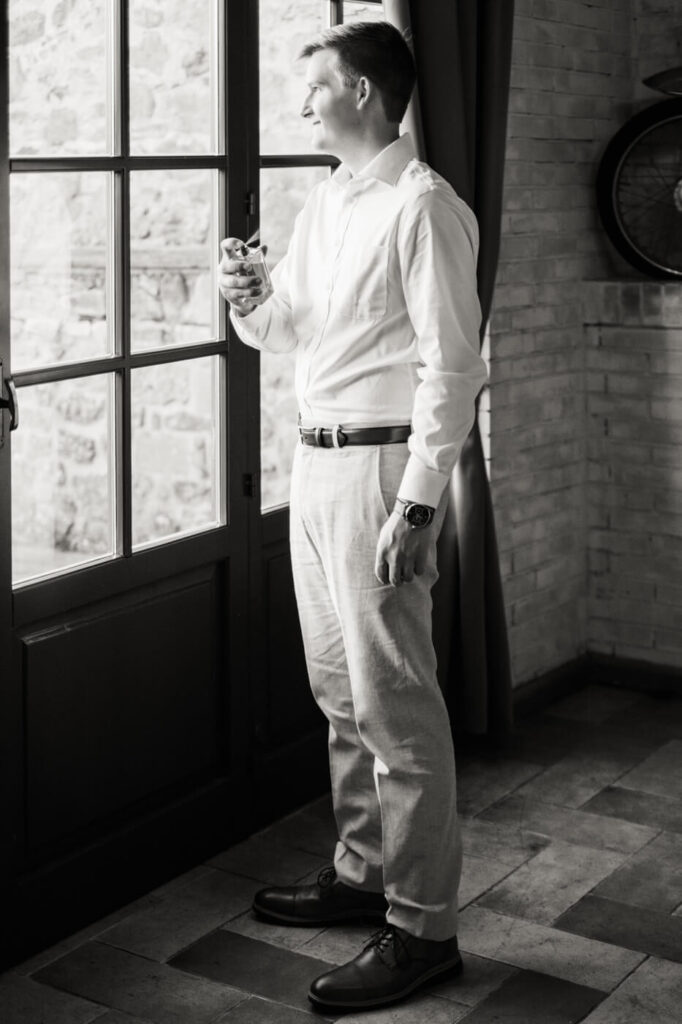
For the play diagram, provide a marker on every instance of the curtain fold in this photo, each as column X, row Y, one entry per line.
column 458, row 119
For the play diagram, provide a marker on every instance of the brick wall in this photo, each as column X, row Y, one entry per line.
column 656, row 42
column 571, row 77
column 574, row 82
column 634, row 487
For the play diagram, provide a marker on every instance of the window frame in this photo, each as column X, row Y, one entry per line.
column 231, row 29
column 335, row 12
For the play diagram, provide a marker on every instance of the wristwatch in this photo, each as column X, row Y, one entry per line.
column 418, row 516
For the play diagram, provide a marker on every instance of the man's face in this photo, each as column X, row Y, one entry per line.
column 330, row 106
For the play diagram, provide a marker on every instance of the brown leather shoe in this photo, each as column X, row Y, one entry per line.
column 391, row 966
column 326, row 901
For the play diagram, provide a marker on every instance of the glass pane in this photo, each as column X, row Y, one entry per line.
column 60, row 77
column 353, row 11
column 63, row 492
column 173, row 258
column 283, row 193
column 60, row 263
column 173, row 76
column 284, row 29
column 175, row 448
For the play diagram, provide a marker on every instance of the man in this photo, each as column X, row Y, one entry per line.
column 377, row 293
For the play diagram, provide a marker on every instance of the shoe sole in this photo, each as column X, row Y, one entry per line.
column 346, row 915
column 454, row 969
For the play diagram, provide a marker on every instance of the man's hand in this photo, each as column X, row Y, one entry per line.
column 401, row 551
column 236, row 279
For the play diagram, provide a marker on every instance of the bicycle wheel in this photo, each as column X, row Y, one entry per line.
column 639, row 190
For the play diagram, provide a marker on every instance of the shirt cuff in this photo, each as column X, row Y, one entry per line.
column 250, row 323
column 422, row 485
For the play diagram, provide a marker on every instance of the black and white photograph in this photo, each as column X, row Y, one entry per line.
column 340, row 511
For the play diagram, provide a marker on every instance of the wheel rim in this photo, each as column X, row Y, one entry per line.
column 647, row 194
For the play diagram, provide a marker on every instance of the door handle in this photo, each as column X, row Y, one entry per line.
column 11, row 402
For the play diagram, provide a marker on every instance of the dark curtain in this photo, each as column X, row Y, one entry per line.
column 463, row 55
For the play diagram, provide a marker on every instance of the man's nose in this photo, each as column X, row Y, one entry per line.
column 306, row 109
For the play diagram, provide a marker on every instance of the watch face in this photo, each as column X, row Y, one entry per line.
column 419, row 515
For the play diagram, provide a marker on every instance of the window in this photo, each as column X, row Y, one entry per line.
column 288, row 172
column 118, row 198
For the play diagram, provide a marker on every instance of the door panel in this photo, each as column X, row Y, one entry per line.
column 291, row 712
column 125, row 718
column 109, row 723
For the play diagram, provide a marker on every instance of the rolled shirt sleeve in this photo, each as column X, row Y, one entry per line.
column 438, row 248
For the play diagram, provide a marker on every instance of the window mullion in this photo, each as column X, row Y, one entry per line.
column 122, row 291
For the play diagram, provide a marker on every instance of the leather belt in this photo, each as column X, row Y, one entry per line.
column 338, row 437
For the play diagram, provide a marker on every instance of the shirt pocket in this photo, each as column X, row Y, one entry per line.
column 361, row 282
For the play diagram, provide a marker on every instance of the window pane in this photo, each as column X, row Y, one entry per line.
column 173, row 76
column 175, row 448
column 173, row 258
column 60, row 262
column 353, row 11
column 284, row 29
column 283, row 193
column 63, row 494
column 60, row 75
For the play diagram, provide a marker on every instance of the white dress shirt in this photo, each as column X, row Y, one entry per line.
column 377, row 293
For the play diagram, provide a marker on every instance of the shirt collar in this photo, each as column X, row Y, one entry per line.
column 386, row 166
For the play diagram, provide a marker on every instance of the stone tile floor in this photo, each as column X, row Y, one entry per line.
column 571, row 899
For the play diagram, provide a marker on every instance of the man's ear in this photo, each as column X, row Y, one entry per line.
column 363, row 91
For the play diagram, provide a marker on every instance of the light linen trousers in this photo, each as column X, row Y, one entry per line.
column 372, row 670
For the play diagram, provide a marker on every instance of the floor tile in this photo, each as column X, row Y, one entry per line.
column 594, row 704
column 536, row 947
column 482, row 781
column 659, row 812
column 575, row 779
column 341, row 943
column 532, row 998
column 261, row 1011
column 179, row 882
column 573, row 826
column 658, row 718
column 139, row 987
column 548, row 884
column 79, row 938
column 543, row 739
column 660, row 774
column 478, row 875
column 629, row 747
column 255, row 967
column 479, row 978
column 652, row 878
column 265, row 858
column 276, row 934
column 651, row 995
column 184, row 916
column 501, row 843
column 646, row 931
column 419, row 1009
column 308, row 830
column 116, row 1017
column 24, row 1001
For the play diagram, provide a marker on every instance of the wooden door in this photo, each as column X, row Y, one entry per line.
column 126, row 508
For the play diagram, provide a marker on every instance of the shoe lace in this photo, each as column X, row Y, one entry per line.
column 389, row 940
column 326, row 877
